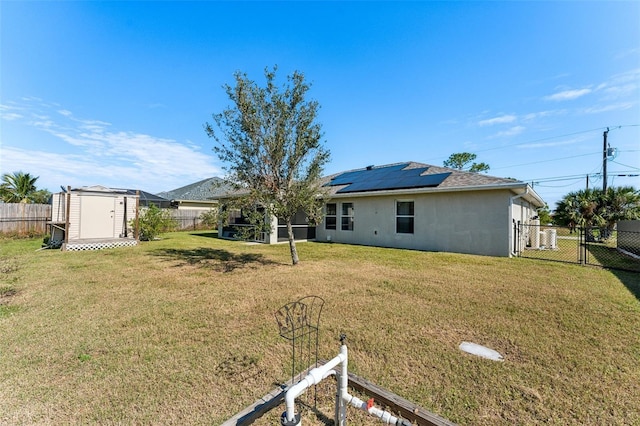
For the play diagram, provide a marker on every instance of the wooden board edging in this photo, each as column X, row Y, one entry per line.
column 258, row 408
column 396, row 404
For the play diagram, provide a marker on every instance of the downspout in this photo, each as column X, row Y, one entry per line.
column 124, row 225
column 67, row 220
column 136, row 231
column 511, row 200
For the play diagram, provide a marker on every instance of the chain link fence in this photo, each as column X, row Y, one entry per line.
column 604, row 247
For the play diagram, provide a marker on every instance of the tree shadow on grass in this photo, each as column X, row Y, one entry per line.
column 216, row 259
column 631, row 280
column 205, row 234
column 625, row 267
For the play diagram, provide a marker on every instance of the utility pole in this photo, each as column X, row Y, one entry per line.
column 604, row 161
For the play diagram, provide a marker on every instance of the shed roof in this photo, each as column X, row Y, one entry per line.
column 144, row 196
column 98, row 188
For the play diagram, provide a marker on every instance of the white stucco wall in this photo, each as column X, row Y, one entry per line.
column 474, row 222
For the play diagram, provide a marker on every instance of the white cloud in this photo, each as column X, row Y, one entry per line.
column 549, row 144
column 611, row 107
column 102, row 155
column 10, row 116
column 8, row 112
column 503, row 119
column 567, row 95
column 621, row 91
column 541, row 114
column 515, row 130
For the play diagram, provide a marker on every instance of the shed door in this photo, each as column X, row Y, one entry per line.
column 97, row 217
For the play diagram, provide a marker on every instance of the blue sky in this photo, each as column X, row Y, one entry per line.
column 116, row 93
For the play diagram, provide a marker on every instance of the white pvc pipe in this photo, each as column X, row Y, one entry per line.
column 343, row 388
column 385, row 416
column 312, row 378
column 317, row 374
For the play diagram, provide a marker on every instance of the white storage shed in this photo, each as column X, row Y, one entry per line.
column 93, row 217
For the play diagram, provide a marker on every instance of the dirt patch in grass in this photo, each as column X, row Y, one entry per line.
column 8, row 290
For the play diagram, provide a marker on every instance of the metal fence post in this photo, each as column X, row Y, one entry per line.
column 582, row 246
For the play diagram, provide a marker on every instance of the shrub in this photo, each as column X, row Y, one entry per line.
column 152, row 221
column 209, row 219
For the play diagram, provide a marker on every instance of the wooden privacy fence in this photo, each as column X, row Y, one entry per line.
column 187, row 220
column 24, row 219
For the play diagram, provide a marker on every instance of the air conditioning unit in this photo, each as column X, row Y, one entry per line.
column 552, row 238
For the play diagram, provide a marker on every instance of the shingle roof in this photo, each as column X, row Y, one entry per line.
column 447, row 178
column 149, row 197
column 203, row 190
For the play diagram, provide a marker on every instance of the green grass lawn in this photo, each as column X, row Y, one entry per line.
column 182, row 331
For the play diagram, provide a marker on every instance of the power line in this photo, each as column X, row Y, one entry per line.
column 625, row 165
column 545, row 161
column 542, row 139
column 559, row 136
column 598, row 129
column 581, row 176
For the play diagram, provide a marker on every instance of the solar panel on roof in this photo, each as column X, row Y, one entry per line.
column 389, row 177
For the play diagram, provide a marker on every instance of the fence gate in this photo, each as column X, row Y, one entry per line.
column 585, row 246
column 557, row 243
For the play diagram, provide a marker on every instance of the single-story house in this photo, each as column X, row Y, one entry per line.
column 190, row 202
column 424, row 207
column 419, row 206
column 201, row 195
column 93, row 217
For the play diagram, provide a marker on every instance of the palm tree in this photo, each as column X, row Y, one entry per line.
column 20, row 187
column 621, row 203
column 594, row 208
column 570, row 210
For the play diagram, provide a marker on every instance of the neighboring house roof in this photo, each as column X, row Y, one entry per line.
column 412, row 177
column 203, row 190
column 147, row 198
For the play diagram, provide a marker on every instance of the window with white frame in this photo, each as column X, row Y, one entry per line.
column 347, row 217
column 330, row 216
column 404, row 217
